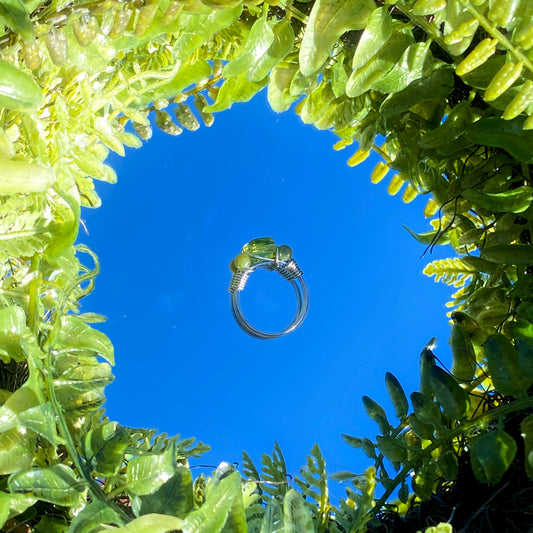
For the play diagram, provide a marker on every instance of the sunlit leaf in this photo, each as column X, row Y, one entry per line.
column 55, row 484
column 174, row 497
column 296, row 514
column 147, row 473
column 78, row 337
column 328, row 20
column 12, row 505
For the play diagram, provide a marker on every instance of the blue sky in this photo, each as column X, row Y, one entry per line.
column 182, row 209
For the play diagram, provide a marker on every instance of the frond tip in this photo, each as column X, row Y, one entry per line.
column 450, row 271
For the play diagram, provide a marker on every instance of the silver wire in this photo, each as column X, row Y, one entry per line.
column 293, row 274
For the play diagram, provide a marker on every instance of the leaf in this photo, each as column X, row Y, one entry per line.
column 41, row 420
column 393, row 449
column 152, row 523
column 453, row 271
column 512, row 201
column 526, row 429
column 147, row 473
column 328, row 20
column 259, row 40
column 425, row 363
column 14, row 15
column 12, row 505
column 279, row 96
column 509, row 254
column 452, row 398
column 296, row 514
column 464, row 357
column 377, row 414
column 437, row 84
column 381, row 46
column 196, row 29
column 477, row 57
column 425, row 409
column 282, row 43
column 55, row 484
column 105, row 447
column 431, row 237
column 523, row 334
column 397, row 395
column 94, row 515
column 174, row 497
column 85, row 377
column 504, row 78
column 491, row 454
column 211, row 517
column 449, row 465
column 504, row 369
column 413, row 64
column 234, row 90
column 273, row 518
column 78, row 337
column 12, row 328
column 506, row 134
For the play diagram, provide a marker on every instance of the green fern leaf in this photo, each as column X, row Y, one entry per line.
column 314, row 486
column 452, row 271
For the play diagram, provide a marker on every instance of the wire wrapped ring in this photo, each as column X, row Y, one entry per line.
column 288, row 269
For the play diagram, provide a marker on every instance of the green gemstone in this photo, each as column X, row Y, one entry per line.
column 242, row 262
column 284, row 253
column 262, row 248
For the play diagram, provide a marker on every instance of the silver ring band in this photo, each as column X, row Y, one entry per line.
column 292, row 273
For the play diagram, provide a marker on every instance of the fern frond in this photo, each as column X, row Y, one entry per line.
column 354, row 511
column 274, row 473
column 314, row 486
column 23, row 228
column 452, row 271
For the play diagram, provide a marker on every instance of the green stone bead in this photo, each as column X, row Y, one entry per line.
column 262, row 248
column 284, row 253
column 242, row 261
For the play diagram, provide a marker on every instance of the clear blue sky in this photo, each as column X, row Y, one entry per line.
column 165, row 234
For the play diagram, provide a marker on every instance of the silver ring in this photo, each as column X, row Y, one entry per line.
column 263, row 253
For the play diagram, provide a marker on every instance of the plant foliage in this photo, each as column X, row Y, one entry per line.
column 442, row 90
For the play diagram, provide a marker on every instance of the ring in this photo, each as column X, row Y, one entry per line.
column 264, row 253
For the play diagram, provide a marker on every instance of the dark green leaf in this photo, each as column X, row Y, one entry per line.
column 452, row 398
column 464, row 357
column 491, row 455
column 397, row 395
column 509, row 254
column 513, row 201
column 506, row 134
column 523, row 334
column 504, row 369
column 105, row 447
column 425, row 409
